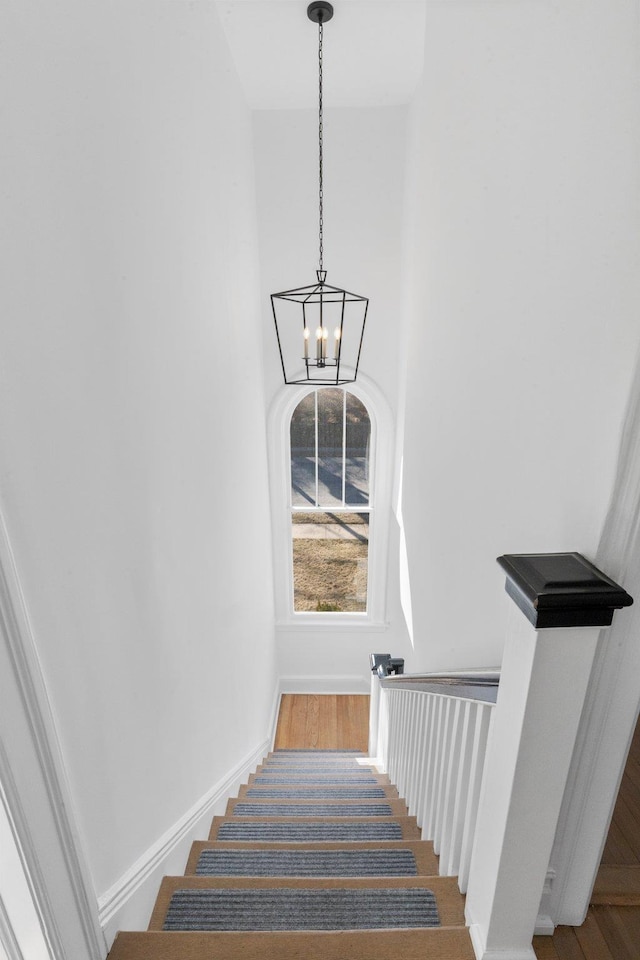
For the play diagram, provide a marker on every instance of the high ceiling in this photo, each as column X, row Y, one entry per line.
column 373, row 51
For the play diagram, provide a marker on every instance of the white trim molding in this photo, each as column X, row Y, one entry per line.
column 381, row 459
column 35, row 786
column 8, row 939
column 11, row 806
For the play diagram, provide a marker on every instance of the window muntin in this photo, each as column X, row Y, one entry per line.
column 330, row 438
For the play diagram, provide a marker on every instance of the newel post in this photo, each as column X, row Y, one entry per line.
column 561, row 603
column 374, row 706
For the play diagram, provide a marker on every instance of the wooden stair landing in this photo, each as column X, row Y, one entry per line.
column 449, row 941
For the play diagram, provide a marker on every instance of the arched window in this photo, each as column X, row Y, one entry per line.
column 330, row 502
column 330, row 462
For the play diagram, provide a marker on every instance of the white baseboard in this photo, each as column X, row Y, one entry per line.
column 482, row 953
column 127, row 904
column 344, row 684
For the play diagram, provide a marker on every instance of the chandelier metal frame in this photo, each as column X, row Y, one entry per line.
column 320, row 303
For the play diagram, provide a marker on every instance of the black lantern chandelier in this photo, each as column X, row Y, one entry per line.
column 319, row 327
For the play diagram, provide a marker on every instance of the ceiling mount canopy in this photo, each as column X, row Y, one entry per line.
column 320, row 11
column 336, row 316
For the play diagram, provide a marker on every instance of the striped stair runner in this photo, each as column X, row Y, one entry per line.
column 316, row 858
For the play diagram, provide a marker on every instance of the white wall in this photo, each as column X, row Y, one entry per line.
column 133, row 459
column 522, row 249
column 364, row 160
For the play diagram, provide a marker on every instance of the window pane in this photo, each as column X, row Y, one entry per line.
column 330, row 417
column 303, row 453
column 357, row 453
column 330, row 556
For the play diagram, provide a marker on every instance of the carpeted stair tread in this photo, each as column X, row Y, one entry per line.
column 316, row 792
column 310, row 808
column 438, row 943
column 323, row 776
column 307, row 863
column 310, row 829
column 311, row 766
column 309, row 811
column 316, row 769
column 424, row 857
column 278, row 776
column 283, row 909
column 444, row 889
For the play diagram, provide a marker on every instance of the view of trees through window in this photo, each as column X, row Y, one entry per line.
column 330, row 437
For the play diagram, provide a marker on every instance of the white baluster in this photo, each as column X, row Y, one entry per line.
column 434, row 766
column 451, row 866
column 424, row 757
column 413, row 778
column 408, row 733
column 453, row 757
column 392, row 706
column 443, row 766
column 401, row 746
column 480, row 730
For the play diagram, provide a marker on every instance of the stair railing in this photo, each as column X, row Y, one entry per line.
column 483, row 767
column 430, row 735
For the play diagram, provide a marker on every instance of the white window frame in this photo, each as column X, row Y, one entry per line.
column 380, row 465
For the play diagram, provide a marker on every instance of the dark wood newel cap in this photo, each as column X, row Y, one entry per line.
column 562, row 590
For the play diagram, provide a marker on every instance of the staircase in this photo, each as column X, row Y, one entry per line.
column 316, row 859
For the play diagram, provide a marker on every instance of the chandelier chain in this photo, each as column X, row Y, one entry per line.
column 320, row 150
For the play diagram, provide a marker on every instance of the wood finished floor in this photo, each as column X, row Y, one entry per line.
column 612, row 929
column 322, row 722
